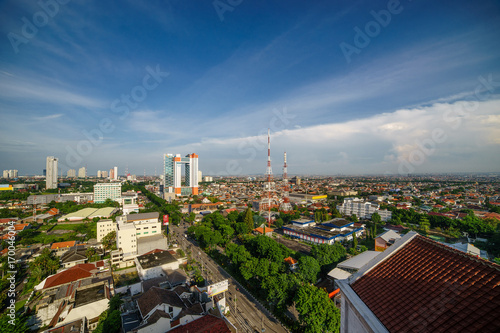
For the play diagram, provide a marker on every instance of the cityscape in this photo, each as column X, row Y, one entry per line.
column 233, row 166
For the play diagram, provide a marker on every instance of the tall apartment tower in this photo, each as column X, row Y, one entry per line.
column 82, row 172
column 51, row 178
column 115, row 173
column 173, row 174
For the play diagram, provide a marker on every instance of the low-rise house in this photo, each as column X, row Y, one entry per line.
column 161, row 309
column 385, row 240
column 155, row 264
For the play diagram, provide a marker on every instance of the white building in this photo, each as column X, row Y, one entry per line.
column 51, row 170
column 71, row 173
column 362, row 209
column 115, row 173
column 131, row 228
column 104, row 227
column 104, row 174
column 99, row 174
column 82, row 172
column 103, row 191
column 10, row 174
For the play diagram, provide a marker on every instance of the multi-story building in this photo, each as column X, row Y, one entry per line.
column 10, row 174
column 115, row 173
column 104, row 227
column 51, row 171
column 103, row 191
column 82, row 172
column 362, row 209
column 173, row 173
column 99, row 175
column 104, row 174
column 131, row 228
column 71, row 173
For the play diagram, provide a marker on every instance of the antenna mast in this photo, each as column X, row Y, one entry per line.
column 285, row 205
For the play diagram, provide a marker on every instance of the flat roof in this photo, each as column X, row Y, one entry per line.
column 155, row 259
column 83, row 213
column 142, row 216
column 106, row 211
column 358, row 261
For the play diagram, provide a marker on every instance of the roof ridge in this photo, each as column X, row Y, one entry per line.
column 453, row 250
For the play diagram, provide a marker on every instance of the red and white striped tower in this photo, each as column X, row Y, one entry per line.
column 285, row 205
column 269, row 172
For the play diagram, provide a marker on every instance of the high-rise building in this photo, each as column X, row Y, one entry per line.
column 82, row 172
column 99, row 175
column 104, row 174
column 103, row 191
column 115, row 173
column 173, row 174
column 200, row 176
column 10, row 173
column 51, row 170
column 111, row 174
column 71, row 173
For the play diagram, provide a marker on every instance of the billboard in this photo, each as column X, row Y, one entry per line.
column 217, row 288
column 165, row 219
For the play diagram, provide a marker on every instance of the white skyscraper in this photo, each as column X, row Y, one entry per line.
column 51, row 167
column 82, row 172
column 115, row 173
column 71, row 173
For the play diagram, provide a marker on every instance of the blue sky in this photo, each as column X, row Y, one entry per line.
column 419, row 93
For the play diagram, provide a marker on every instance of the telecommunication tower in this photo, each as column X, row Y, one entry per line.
column 285, row 205
column 265, row 205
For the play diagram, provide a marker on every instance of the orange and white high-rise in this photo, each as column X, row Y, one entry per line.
column 173, row 174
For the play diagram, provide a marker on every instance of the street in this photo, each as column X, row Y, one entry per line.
column 250, row 316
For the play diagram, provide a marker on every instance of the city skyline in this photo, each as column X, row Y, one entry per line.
column 382, row 87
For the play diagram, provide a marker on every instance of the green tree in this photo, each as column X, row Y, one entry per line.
column 317, row 313
column 18, row 327
column 308, row 269
column 376, row 218
column 109, row 241
column 354, row 241
column 424, row 224
column 249, row 219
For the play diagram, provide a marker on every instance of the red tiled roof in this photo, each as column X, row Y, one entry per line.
column 20, row 227
column 74, row 273
column 206, row 324
column 61, row 245
column 154, row 251
column 262, row 231
column 290, row 260
column 426, row 286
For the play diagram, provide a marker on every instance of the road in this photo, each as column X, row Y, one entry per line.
column 250, row 315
